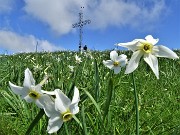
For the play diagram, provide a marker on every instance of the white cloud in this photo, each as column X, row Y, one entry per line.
column 6, row 5
column 127, row 12
column 14, row 42
column 59, row 15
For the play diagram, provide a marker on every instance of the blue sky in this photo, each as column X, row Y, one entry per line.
column 23, row 23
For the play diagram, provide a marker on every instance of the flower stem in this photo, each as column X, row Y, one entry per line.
column 44, row 80
column 136, row 105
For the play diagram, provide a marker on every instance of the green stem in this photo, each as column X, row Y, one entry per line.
column 136, row 105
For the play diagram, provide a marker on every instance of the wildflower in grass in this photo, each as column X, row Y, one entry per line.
column 87, row 54
column 64, row 110
column 71, row 68
column 78, row 59
column 149, row 51
column 37, row 67
column 116, row 61
column 58, row 59
column 30, row 92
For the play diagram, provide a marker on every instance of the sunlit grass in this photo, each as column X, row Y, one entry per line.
column 159, row 100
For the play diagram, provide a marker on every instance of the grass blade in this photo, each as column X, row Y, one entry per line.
column 83, row 120
column 35, row 121
column 77, row 120
column 108, row 98
column 96, row 79
column 93, row 101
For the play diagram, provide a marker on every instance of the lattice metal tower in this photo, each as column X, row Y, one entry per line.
column 80, row 25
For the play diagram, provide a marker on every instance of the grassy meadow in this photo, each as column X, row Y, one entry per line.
column 107, row 105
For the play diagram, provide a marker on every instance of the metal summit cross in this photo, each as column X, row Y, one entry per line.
column 80, row 24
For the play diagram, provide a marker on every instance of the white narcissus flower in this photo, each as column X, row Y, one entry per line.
column 71, row 68
column 63, row 111
column 149, row 51
column 78, row 59
column 116, row 61
column 31, row 92
column 37, row 67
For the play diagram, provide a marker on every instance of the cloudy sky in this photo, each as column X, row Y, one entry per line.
column 24, row 23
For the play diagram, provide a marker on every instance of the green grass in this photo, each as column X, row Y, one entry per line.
column 100, row 113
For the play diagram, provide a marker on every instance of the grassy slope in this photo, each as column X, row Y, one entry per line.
column 159, row 100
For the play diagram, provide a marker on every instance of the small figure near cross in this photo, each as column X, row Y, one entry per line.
column 85, row 48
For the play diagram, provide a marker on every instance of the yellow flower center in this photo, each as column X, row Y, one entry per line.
column 35, row 95
column 146, row 47
column 116, row 63
column 66, row 116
